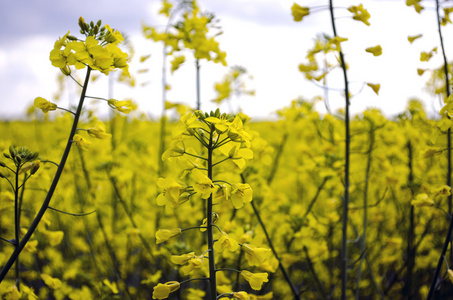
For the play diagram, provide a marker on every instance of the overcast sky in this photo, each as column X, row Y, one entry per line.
column 259, row 35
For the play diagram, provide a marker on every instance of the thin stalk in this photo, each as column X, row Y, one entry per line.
column 197, row 64
column 271, row 245
column 17, row 224
column 163, row 117
column 450, row 227
column 447, row 91
column 277, row 158
column 344, row 250
column 212, row 270
column 53, row 186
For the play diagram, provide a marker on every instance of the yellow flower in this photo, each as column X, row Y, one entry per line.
column 255, row 280
column 203, row 184
column 422, row 200
column 44, row 105
column 241, row 296
column 376, row 50
column 375, row 87
column 360, row 14
column 176, row 62
column 255, row 256
column 193, row 263
column 444, row 190
column 53, row 283
column 182, row 259
column 241, row 193
column 112, row 286
column 225, row 242
column 54, row 237
column 299, row 12
column 411, row 39
column 80, row 142
column 98, row 131
column 172, row 192
column 112, row 35
column 162, row 291
column 163, row 235
column 122, row 106
column 426, row 56
column 268, row 296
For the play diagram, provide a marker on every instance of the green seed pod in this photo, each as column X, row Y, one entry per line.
column 35, row 167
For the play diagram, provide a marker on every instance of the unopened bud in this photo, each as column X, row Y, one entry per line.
column 71, row 38
column 66, row 70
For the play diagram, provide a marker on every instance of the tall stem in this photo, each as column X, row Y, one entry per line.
column 53, row 186
column 450, row 227
column 344, row 252
column 212, row 270
column 447, row 92
column 197, row 64
column 17, row 225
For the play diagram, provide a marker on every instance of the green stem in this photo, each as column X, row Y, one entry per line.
column 17, row 224
column 212, row 270
column 344, row 249
column 53, row 186
column 271, row 245
column 197, row 64
column 450, row 227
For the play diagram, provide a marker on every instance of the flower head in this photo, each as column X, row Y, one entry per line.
column 255, row 280
column 44, row 105
column 98, row 131
column 163, row 235
column 422, row 200
column 225, row 242
column 241, row 193
column 255, row 256
column 162, row 291
column 80, row 142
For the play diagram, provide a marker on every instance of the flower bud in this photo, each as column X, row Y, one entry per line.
column 66, row 70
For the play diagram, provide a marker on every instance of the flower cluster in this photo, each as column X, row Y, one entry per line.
column 99, row 50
